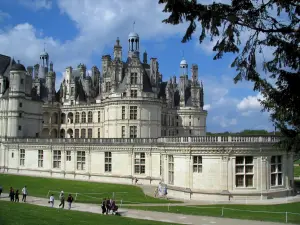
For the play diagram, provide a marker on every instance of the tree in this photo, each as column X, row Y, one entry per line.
column 271, row 24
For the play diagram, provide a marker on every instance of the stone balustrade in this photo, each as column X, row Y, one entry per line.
column 196, row 139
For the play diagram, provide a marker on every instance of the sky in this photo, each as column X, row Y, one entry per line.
column 81, row 31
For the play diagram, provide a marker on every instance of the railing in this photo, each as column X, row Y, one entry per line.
column 220, row 139
column 199, row 139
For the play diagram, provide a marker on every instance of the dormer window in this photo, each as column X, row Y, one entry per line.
column 133, row 78
column 133, row 93
column 22, row 81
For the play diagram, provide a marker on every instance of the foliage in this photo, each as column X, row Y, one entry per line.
column 39, row 187
column 216, row 211
column 244, row 133
column 273, row 26
column 25, row 214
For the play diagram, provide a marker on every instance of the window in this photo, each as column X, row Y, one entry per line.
column 76, row 133
column 56, row 159
column 22, row 81
column 77, row 117
column 20, row 127
column 82, row 133
column 69, row 156
column 40, row 158
column 133, row 112
column 133, row 93
column 161, row 162
column 22, row 157
column 72, row 90
column 20, row 105
column 83, row 117
column 123, row 112
column 72, row 102
column 99, row 118
column 12, row 155
column 98, row 132
column 133, row 131
column 107, row 86
column 90, row 117
column 107, row 161
column 90, row 133
column 133, row 78
column 20, row 115
column 244, row 171
column 123, row 131
column 81, row 160
column 190, row 124
column 197, row 164
column 139, row 163
column 170, row 169
column 276, row 170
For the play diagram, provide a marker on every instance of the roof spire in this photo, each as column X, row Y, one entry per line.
column 44, row 46
column 182, row 54
column 133, row 26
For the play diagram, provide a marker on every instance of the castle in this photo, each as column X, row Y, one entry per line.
column 126, row 122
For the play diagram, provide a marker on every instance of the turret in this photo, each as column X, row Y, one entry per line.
column 133, row 45
column 145, row 57
column 106, row 60
column 117, row 50
column 30, row 70
column 194, row 71
column 36, row 70
column 51, row 66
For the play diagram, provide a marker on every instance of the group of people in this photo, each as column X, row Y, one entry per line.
column 62, row 200
column 14, row 195
column 109, row 205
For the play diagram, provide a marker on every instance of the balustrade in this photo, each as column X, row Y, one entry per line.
column 198, row 139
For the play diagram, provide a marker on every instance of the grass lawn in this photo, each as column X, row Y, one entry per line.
column 26, row 214
column 297, row 162
column 89, row 192
column 216, row 211
column 296, row 171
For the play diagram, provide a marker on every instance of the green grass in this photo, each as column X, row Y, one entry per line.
column 216, row 211
column 39, row 187
column 26, row 214
column 296, row 171
column 297, row 162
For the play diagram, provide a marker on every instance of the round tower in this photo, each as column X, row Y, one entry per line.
column 133, row 44
column 183, row 67
column 15, row 104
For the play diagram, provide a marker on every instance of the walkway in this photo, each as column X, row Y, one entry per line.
column 149, row 215
column 149, row 190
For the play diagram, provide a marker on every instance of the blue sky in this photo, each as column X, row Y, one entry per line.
column 81, row 31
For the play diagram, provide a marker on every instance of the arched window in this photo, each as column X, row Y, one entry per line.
column 83, row 117
column 90, row 117
column 77, row 117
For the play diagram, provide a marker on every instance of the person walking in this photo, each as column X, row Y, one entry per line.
column 17, row 196
column 51, row 200
column 103, row 206
column 11, row 194
column 62, row 200
column 1, row 189
column 24, row 193
column 70, row 200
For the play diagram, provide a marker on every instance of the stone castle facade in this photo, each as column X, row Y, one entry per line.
column 126, row 122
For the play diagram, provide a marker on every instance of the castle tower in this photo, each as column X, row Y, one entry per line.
column 145, row 57
column 183, row 81
column 133, row 44
column 44, row 64
column 118, row 50
column 16, row 95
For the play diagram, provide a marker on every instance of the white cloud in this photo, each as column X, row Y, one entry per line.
column 3, row 16
column 36, row 5
column 207, row 107
column 250, row 103
column 224, row 121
